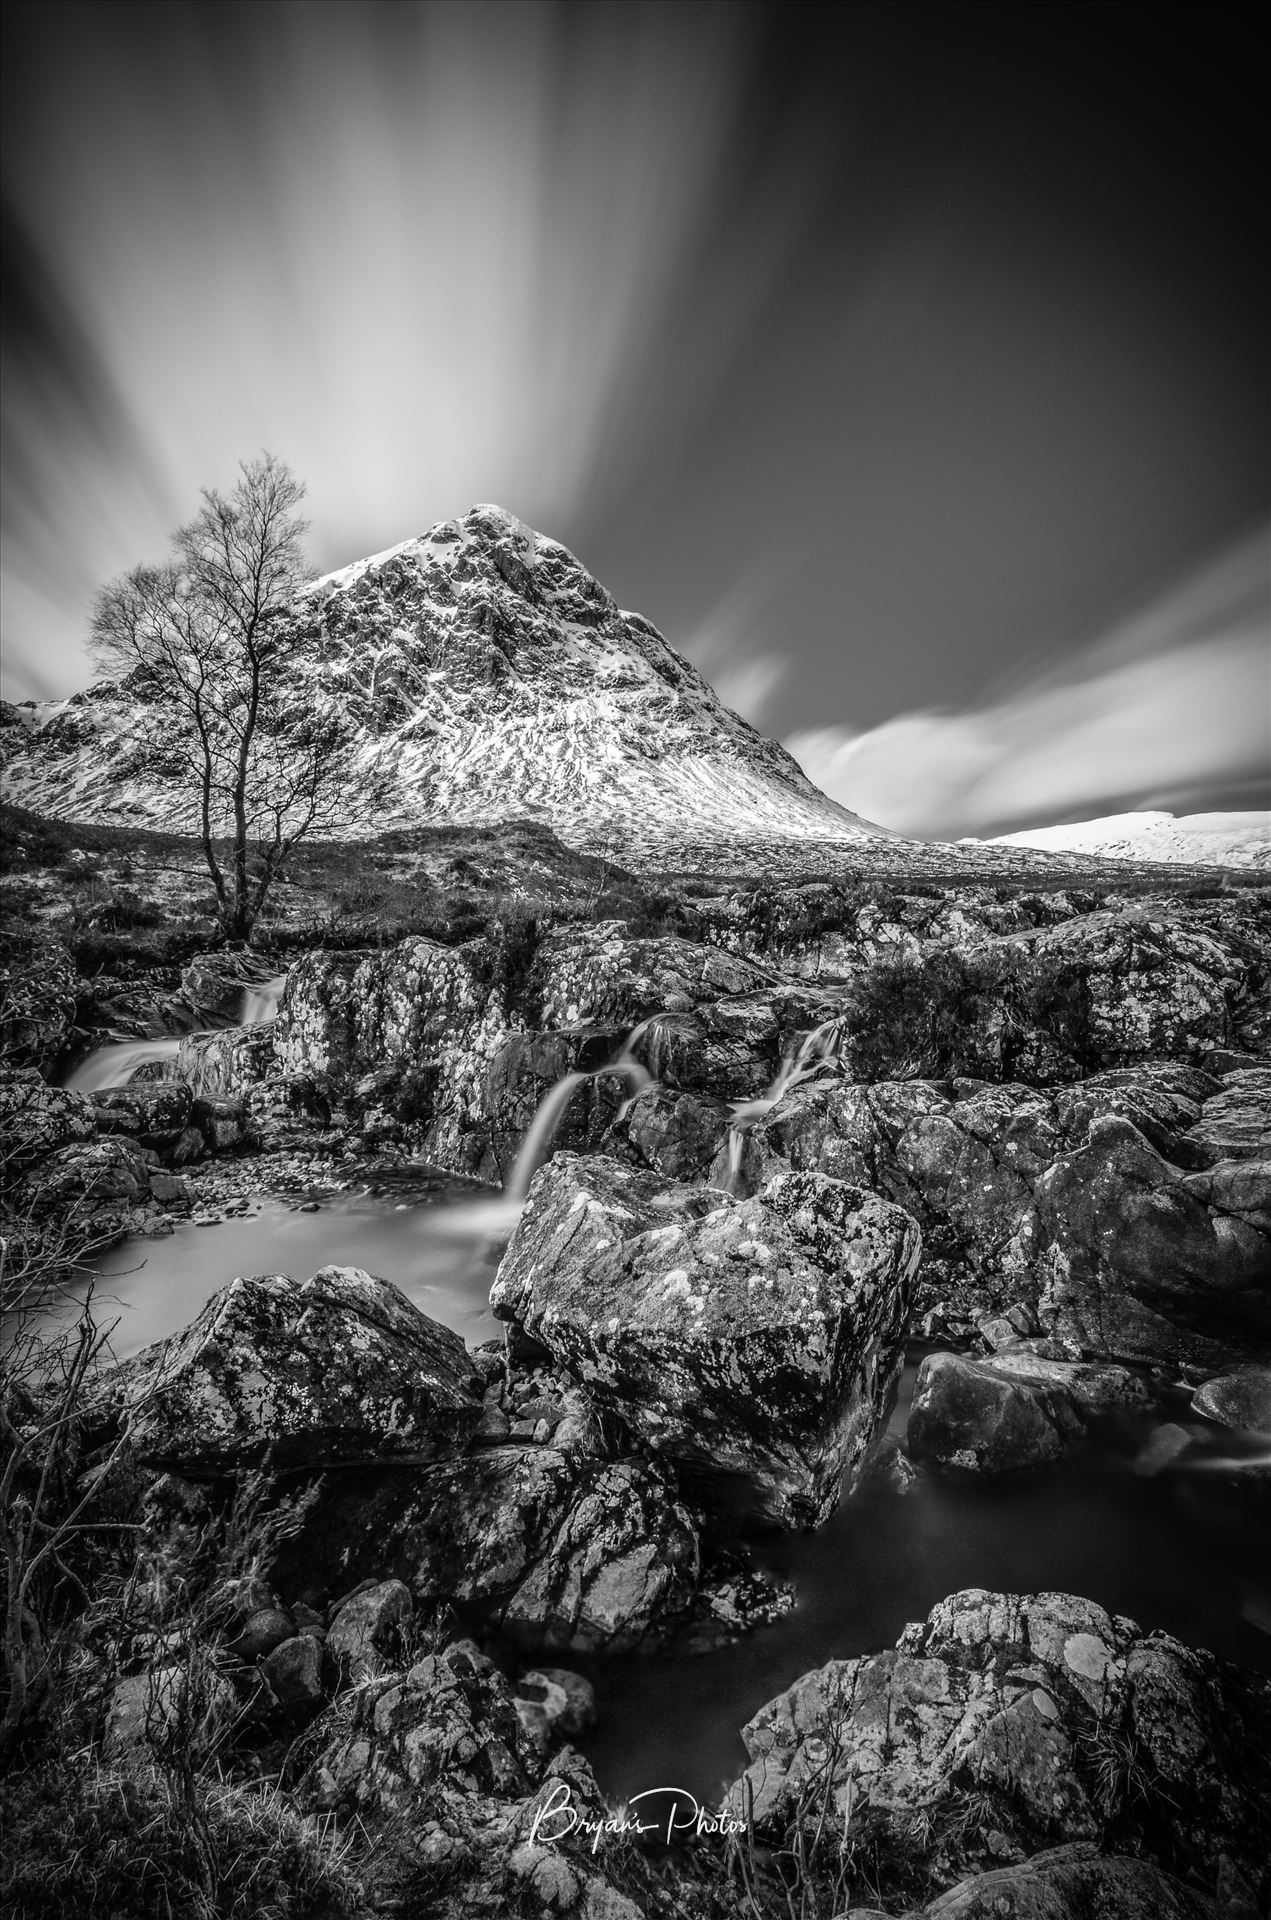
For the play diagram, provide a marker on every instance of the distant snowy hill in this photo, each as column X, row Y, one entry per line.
column 1193, row 839
column 485, row 669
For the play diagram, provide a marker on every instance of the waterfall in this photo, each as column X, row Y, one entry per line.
column 260, row 1003
column 116, row 1064
column 818, row 1047
column 542, row 1129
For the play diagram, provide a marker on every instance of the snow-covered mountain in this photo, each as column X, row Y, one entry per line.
column 1194, row 839
column 485, row 670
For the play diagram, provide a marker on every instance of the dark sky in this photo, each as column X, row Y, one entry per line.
column 906, row 364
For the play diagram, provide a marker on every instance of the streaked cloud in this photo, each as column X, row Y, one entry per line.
column 731, row 644
column 1176, row 698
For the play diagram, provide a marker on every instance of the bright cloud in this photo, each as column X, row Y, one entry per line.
column 1176, row 698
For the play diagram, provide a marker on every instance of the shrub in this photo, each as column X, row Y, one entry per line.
column 995, row 1013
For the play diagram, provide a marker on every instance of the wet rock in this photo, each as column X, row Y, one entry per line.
column 1136, row 1263
column 753, row 1344
column 37, row 1119
column 526, row 1069
column 675, row 1134
column 229, row 1064
column 975, row 1416
column 1036, row 1718
column 339, row 1367
column 554, row 1704
column 367, row 1630
column 1069, row 1883
column 1240, row 1399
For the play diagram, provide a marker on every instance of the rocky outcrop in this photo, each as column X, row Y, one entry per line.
column 753, row 1344
column 337, row 1368
column 1003, row 1724
column 1100, row 1204
column 92, row 1192
column 554, row 1549
column 419, row 1002
column 600, row 975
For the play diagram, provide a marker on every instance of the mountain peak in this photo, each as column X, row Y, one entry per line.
column 489, row 675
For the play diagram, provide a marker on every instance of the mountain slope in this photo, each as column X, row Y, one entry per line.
column 1209, row 839
column 492, row 677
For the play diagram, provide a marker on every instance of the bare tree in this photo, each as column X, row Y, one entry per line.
column 205, row 640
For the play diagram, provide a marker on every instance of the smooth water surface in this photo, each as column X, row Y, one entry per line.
column 441, row 1253
column 1187, row 1550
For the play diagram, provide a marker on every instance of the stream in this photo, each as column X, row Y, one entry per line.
column 1175, row 1539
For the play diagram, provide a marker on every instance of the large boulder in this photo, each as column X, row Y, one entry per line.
column 339, row 1367
column 755, row 1344
column 153, row 1113
column 1019, row 1409
column 1152, row 982
column 1004, row 1724
column 1140, row 1260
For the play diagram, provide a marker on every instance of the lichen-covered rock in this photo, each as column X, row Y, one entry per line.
column 449, row 1718
column 153, row 1113
column 93, row 1185
column 1023, row 1721
column 343, row 1014
column 755, row 1344
column 336, row 1368
column 1018, row 1409
column 601, row 975
column 1155, row 983
column 227, row 1063
column 36, row 1119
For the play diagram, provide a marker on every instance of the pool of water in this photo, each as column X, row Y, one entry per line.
column 442, row 1253
column 1187, row 1549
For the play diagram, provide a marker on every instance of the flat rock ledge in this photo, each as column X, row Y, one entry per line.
column 755, row 1345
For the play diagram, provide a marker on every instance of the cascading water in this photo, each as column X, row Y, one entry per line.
column 116, row 1064
column 818, row 1048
